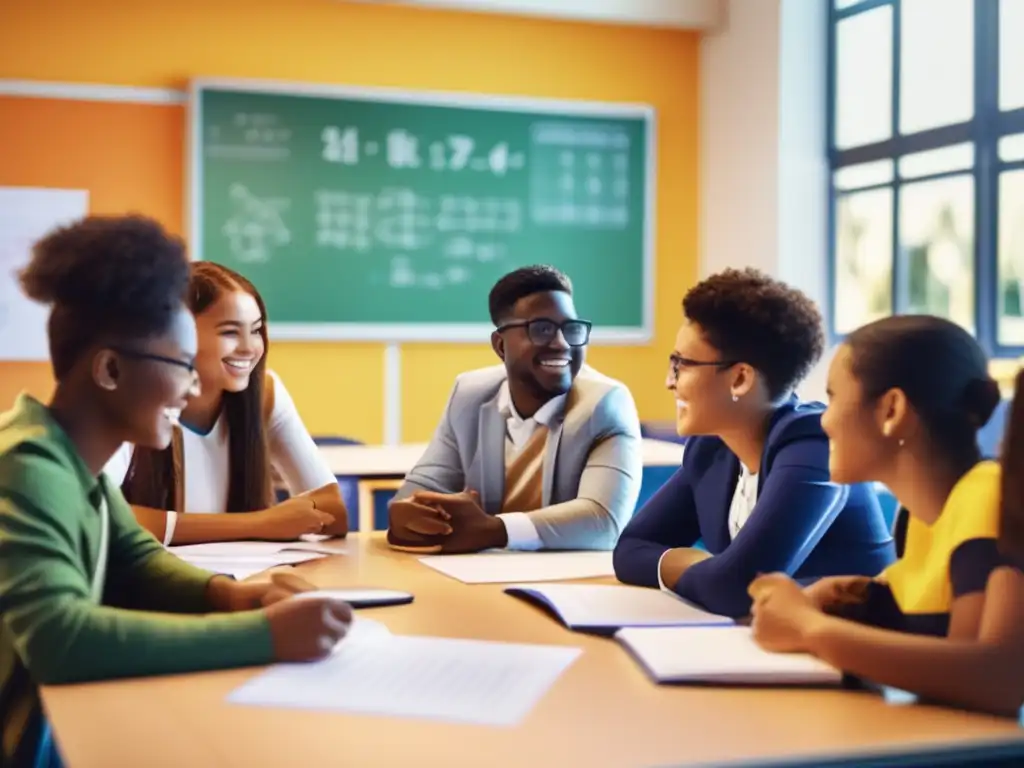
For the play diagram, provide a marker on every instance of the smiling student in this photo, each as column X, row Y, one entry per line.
column 85, row 593
column 754, row 485
column 540, row 452
column 242, row 422
column 907, row 396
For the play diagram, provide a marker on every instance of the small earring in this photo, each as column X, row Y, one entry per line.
column 901, row 442
column 735, row 398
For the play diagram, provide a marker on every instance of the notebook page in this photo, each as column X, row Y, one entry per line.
column 242, row 566
column 235, row 548
column 503, row 567
column 719, row 654
column 607, row 605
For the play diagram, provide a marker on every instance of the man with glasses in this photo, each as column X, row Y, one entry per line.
column 541, row 452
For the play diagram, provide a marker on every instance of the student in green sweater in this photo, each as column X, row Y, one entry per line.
column 85, row 593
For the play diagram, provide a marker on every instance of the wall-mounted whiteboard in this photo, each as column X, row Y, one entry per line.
column 26, row 214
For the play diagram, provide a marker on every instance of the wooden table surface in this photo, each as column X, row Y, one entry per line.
column 602, row 712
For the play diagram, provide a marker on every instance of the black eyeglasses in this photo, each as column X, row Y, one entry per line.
column 542, row 331
column 188, row 365
column 678, row 362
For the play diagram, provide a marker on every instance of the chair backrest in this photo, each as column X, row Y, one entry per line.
column 661, row 430
column 335, row 440
column 991, row 435
column 889, row 504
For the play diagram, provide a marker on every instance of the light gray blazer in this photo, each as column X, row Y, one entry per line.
column 592, row 467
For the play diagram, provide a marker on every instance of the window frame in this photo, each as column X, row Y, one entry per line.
column 983, row 130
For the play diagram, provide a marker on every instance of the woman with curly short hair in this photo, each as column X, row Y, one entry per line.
column 754, row 485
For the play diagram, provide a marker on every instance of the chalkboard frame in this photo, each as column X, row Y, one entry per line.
column 424, row 332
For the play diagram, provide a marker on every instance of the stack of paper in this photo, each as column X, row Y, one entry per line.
column 504, row 567
column 604, row 608
column 720, row 655
column 373, row 672
column 245, row 558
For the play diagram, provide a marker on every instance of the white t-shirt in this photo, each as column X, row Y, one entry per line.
column 292, row 453
column 744, row 498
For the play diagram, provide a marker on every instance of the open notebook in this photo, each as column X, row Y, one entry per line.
column 604, row 608
column 726, row 655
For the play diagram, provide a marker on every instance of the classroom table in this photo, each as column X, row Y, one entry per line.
column 603, row 711
column 396, row 460
column 376, row 472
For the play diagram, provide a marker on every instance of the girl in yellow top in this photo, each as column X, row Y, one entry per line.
column 906, row 398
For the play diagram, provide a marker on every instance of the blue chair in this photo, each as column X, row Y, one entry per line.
column 47, row 755
column 661, row 430
column 348, row 484
column 335, row 440
column 991, row 435
column 890, row 506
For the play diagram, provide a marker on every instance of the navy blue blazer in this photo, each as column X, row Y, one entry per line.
column 803, row 524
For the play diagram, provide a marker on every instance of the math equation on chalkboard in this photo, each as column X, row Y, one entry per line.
column 577, row 176
column 387, row 214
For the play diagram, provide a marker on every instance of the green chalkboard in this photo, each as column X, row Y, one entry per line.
column 388, row 215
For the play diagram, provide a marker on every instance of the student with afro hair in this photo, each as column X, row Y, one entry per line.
column 754, row 486
column 85, row 593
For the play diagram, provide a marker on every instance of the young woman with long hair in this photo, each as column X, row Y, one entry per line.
column 214, row 483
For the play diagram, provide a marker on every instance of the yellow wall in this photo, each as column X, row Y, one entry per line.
column 338, row 387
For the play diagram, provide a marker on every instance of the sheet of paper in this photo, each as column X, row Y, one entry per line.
column 26, row 214
column 465, row 681
column 258, row 548
column 597, row 606
column 511, row 567
column 270, row 558
column 720, row 655
column 242, row 566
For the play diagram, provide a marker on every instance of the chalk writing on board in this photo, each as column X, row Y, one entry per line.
column 400, row 218
column 579, row 175
column 256, row 226
column 403, row 274
column 249, row 136
column 405, row 150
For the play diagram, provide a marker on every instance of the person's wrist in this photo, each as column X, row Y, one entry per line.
column 497, row 533
column 813, row 626
column 261, row 524
column 220, row 593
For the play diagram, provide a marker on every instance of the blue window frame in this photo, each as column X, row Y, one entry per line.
column 926, row 153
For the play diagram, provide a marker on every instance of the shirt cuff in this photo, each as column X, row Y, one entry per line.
column 661, row 584
column 522, row 534
column 170, row 523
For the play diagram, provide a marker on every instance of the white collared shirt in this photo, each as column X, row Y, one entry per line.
column 522, row 534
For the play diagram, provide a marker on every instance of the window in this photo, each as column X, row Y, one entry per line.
column 926, row 150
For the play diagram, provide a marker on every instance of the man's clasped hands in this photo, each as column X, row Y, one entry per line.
column 453, row 522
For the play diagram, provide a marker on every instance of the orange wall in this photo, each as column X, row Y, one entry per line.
column 130, row 157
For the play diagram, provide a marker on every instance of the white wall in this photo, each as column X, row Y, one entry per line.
column 764, row 196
